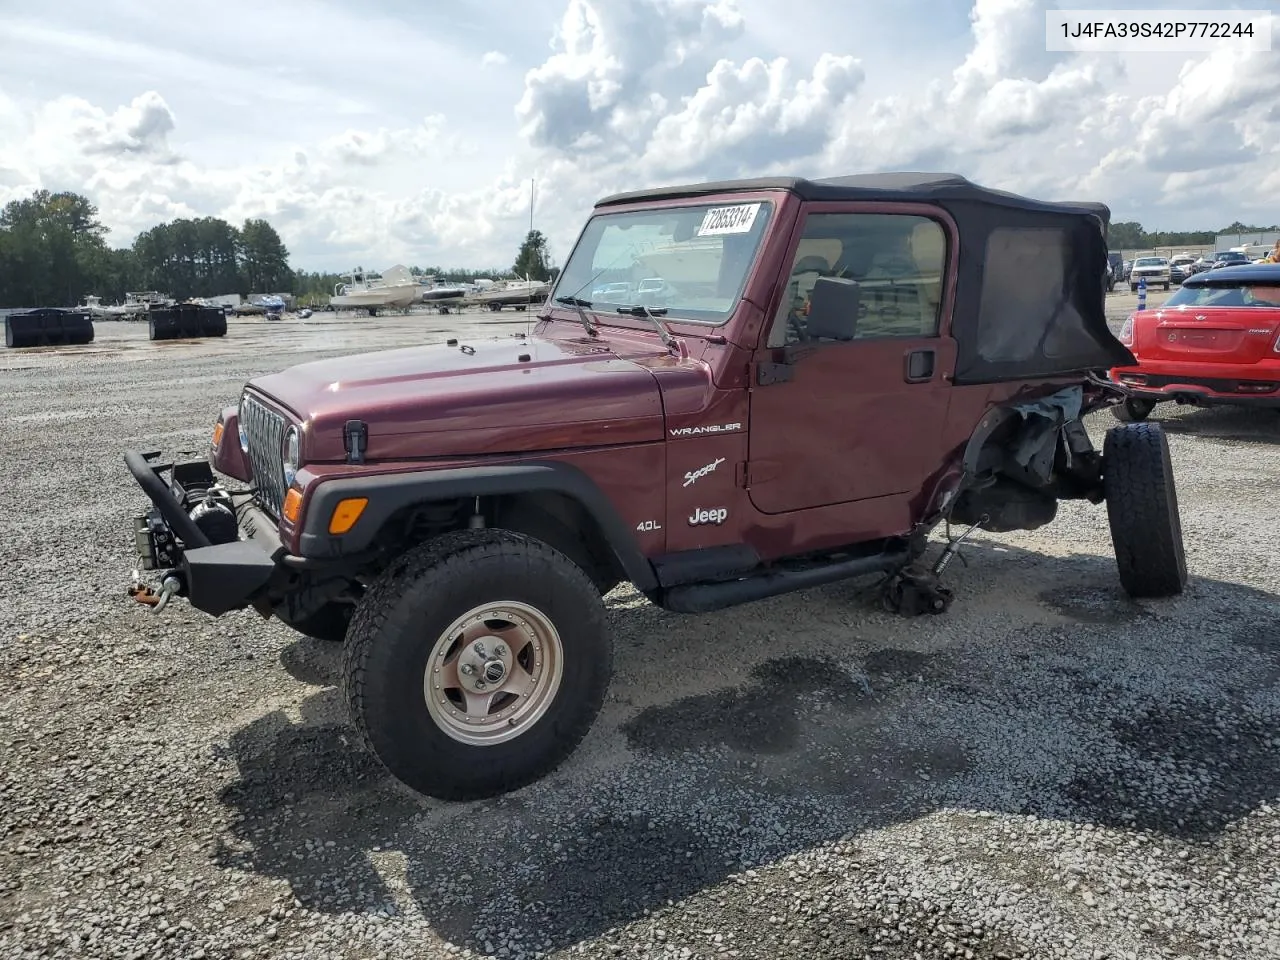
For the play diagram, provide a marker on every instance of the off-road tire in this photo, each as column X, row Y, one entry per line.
column 1133, row 411
column 406, row 610
column 1142, row 508
column 330, row 623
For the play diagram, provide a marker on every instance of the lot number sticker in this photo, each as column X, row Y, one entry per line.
column 721, row 220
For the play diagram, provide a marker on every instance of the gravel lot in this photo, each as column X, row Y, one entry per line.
column 1050, row 770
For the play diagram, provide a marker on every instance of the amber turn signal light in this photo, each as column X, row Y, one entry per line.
column 217, row 434
column 292, row 504
column 346, row 513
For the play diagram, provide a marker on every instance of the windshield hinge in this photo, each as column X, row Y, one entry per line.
column 355, row 440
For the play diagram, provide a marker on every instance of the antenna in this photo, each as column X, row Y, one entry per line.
column 528, row 317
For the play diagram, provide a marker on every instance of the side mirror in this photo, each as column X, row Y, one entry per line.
column 833, row 309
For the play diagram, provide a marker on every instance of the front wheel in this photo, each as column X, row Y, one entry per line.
column 1142, row 509
column 477, row 663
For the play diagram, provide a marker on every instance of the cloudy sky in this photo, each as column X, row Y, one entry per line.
column 385, row 131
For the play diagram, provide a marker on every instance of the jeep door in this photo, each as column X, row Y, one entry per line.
column 834, row 421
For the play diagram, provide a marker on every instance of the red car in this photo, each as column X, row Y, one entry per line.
column 1214, row 342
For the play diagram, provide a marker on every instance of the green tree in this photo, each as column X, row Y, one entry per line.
column 264, row 260
column 52, row 243
column 1126, row 235
column 534, row 260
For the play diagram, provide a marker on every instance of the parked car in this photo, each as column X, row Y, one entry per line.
column 1115, row 267
column 1128, row 266
column 847, row 364
column 1228, row 258
column 1214, row 342
column 1154, row 270
column 1180, row 267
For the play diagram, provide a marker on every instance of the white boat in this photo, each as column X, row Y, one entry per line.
column 396, row 287
column 93, row 306
column 138, row 304
column 433, row 291
column 515, row 293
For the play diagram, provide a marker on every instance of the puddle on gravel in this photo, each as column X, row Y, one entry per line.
column 1186, row 768
column 763, row 716
column 1091, row 605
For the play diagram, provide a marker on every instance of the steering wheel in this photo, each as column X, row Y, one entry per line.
column 794, row 323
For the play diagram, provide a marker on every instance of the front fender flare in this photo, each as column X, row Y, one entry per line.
column 391, row 492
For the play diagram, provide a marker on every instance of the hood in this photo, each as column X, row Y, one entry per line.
column 479, row 397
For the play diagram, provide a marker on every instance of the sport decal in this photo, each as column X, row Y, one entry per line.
column 722, row 220
column 693, row 476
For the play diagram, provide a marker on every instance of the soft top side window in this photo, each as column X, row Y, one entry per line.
column 899, row 260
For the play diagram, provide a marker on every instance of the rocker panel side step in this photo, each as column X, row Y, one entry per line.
column 777, row 580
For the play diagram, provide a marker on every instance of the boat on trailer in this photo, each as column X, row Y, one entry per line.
column 394, row 288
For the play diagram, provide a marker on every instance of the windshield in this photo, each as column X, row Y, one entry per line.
column 1228, row 295
column 694, row 261
column 1149, row 262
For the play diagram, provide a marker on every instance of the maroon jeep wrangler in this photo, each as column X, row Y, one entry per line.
column 735, row 390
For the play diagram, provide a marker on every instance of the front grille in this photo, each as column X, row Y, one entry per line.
column 265, row 429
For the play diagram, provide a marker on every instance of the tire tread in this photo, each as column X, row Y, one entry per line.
column 1142, row 511
column 382, row 611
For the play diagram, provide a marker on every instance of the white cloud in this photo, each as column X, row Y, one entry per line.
column 403, row 161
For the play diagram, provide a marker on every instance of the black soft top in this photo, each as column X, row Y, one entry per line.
column 934, row 187
column 1031, row 275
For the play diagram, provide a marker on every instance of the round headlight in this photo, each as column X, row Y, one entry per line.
column 292, row 455
column 243, row 430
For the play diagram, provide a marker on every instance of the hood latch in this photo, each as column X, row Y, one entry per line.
column 355, row 440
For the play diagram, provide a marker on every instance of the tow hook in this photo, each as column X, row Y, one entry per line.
column 157, row 601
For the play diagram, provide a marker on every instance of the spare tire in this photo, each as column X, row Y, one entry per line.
column 1142, row 509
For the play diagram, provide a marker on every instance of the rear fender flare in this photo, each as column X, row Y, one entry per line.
column 992, row 421
column 389, row 493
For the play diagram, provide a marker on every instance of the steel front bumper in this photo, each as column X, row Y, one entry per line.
column 215, row 577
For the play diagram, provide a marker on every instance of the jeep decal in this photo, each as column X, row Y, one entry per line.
column 716, row 516
column 695, row 475
column 699, row 431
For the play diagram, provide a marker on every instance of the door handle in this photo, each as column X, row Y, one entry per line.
column 920, row 366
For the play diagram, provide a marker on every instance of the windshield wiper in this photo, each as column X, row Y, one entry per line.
column 582, row 314
column 653, row 313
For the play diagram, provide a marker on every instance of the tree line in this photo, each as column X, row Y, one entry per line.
column 1130, row 235
column 54, row 253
